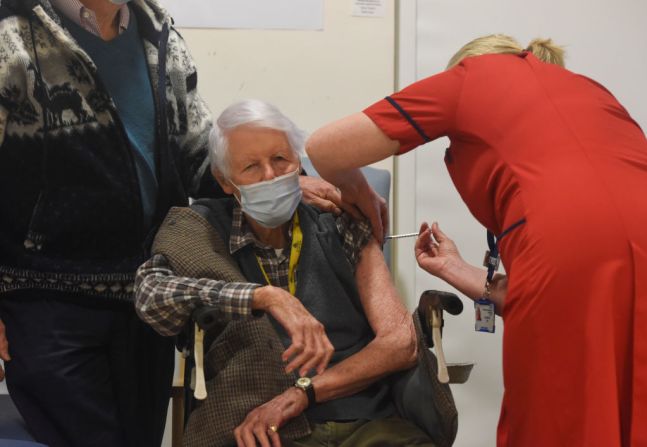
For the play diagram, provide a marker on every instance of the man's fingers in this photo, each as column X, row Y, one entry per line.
column 4, row 349
column 333, row 194
column 329, row 351
column 4, row 344
column 274, row 435
column 309, row 350
column 315, row 357
column 294, row 349
column 260, row 432
column 238, row 435
column 326, row 205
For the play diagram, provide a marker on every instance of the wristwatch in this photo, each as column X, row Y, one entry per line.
column 305, row 384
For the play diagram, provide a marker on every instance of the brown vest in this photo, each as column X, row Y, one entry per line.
column 243, row 365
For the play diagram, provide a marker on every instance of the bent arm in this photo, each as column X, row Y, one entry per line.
column 165, row 301
column 340, row 147
column 437, row 254
column 394, row 346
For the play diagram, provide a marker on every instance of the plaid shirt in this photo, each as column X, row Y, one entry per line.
column 166, row 301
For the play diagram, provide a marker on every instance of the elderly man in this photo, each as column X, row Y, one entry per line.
column 306, row 271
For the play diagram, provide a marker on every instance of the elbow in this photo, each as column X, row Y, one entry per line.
column 411, row 350
column 409, row 345
column 405, row 347
column 150, row 314
column 151, row 318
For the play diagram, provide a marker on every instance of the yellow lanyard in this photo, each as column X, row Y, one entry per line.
column 295, row 252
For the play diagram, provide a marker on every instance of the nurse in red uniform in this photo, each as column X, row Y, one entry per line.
column 553, row 165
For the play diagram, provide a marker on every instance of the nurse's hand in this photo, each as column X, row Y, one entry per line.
column 4, row 349
column 435, row 252
column 356, row 192
column 373, row 206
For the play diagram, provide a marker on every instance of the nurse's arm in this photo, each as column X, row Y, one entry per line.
column 346, row 144
column 339, row 149
column 437, row 254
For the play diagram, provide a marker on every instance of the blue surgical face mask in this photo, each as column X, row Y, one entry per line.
column 271, row 203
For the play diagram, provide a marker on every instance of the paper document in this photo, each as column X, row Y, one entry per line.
column 369, row 8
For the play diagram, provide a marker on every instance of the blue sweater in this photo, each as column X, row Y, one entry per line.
column 121, row 63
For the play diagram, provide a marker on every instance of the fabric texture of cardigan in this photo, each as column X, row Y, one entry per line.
column 71, row 207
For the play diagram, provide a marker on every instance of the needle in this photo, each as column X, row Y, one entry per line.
column 398, row 236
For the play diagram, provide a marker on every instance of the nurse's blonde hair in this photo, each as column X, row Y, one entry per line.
column 543, row 49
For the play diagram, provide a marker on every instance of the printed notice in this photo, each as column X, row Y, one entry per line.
column 369, row 8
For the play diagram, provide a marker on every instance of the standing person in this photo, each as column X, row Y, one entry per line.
column 102, row 130
column 550, row 162
column 94, row 150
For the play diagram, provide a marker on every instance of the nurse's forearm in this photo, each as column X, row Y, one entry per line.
column 470, row 281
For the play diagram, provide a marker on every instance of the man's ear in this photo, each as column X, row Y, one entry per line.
column 223, row 182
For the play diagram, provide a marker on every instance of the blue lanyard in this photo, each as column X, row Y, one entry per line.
column 492, row 258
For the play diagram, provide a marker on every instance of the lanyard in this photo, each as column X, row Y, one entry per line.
column 483, row 306
column 491, row 256
column 295, row 252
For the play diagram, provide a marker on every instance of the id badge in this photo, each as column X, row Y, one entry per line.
column 484, row 309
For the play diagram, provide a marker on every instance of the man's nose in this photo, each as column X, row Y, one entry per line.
column 268, row 172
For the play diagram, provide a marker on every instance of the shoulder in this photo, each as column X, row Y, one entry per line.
column 309, row 214
column 214, row 207
column 357, row 228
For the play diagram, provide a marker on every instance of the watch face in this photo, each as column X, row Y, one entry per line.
column 303, row 382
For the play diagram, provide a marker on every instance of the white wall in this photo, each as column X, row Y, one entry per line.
column 313, row 76
column 603, row 40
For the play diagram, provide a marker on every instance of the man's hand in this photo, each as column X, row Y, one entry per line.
column 310, row 346
column 262, row 424
column 435, row 251
column 4, row 349
column 324, row 196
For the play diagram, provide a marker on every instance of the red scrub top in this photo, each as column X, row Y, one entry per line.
column 554, row 156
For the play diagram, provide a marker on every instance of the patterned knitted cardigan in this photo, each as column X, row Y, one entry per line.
column 71, row 212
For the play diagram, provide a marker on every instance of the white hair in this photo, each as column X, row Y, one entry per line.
column 250, row 112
